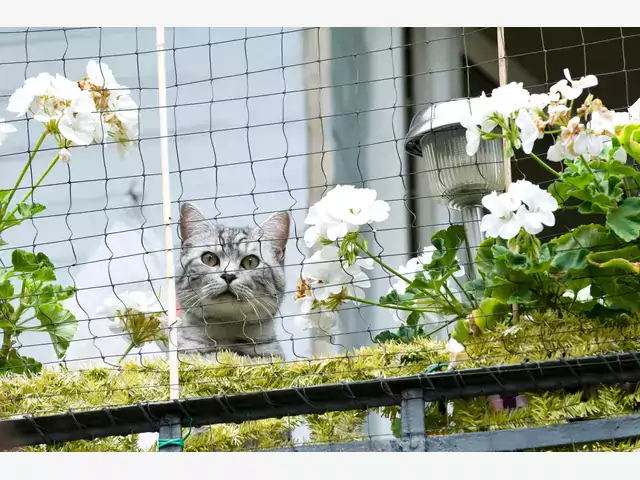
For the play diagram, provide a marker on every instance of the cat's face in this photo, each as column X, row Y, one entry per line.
column 229, row 273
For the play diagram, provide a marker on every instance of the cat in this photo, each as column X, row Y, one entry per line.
column 230, row 284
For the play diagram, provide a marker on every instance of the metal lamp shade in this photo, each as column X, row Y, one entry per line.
column 437, row 136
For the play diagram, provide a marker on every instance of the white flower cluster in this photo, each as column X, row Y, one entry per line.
column 326, row 276
column 506, row 103
column 523, row 205
column 343, row 210
column 514, row 104
column 121, row 309
column 78, row 113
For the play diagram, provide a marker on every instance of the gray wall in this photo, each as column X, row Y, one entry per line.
column 238, row 138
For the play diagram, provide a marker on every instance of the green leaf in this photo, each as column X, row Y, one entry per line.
column 629, row 138
column 385, row 337
column 44, row 274
column 396, row 427
column 54, row 293
column 626, row 259
column 625, row 219
column 460, row 331
column 394, row 298
column 612, row 188
column 6, row 290
column 570, row 250
column 28, row 210
column 24, row 261
column 60, row 323
column 446, row 243
column 489, row 313
column 413, row 319
column 17, row 364
column 484, row 256
column 4, row 194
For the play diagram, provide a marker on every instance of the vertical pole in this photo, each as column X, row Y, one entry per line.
column 170, row 429
column 502, row 75
column 174, row 388
column 412, row 418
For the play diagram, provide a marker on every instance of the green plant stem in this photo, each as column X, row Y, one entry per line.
column 381, row 263
column 465, row 293
column 389, row 306
column 26, row 166
column 37, row 184
column 6, row 342
column 126, row 352
column 586, row 165
column 544, row 165
column 458, row 307
column 444, row 325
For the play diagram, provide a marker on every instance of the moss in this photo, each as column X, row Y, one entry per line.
column 543, row 337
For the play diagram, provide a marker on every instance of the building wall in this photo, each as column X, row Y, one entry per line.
column 237, row 149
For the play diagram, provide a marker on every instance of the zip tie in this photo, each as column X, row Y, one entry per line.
column 162, row 443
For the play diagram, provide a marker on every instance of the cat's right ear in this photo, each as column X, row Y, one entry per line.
column 192, row 222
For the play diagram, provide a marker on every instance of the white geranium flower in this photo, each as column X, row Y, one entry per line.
column 586, row 143
column 63, row 88
column 529, row 131
column 502, row 221
column 79, row 122
column 634, row 112
column 559, row 152
column 541, row 100
column 538, row 206
column 604, row 120
column 572, row 89
column 509, row 98
column 582, row 296
column 556, row 112
column 101, row 76
column 5, row 129
column 344, row 209
column 457, row 353
column 413, row 266
column 137, row 301
column 138, row 315
column 21, row 100
column 125, row 110
column 482, row 109
column 65, row 155
column 321, row 319
column 327, row 274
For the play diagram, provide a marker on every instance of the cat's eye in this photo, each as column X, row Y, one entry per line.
column 210, row 259
column 250, row 262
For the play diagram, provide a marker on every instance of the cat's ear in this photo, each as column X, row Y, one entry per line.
column 192, row 222
column 275, row 230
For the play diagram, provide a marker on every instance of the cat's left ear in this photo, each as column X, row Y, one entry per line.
column 275, row 233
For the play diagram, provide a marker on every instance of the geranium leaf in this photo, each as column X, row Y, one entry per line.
column 625, row 219
column 61, row 325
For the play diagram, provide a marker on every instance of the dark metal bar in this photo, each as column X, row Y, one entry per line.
column 511, row 440
column 518, row 439
column 576, row 373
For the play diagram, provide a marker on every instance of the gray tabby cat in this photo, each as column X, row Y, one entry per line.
column 230, row 283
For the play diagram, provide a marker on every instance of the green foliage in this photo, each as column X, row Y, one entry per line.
column 38, row 299
column 540, row 337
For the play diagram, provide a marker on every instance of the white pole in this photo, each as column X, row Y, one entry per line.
column 174, row 387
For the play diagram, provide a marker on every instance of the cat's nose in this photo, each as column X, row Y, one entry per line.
column 228, row 277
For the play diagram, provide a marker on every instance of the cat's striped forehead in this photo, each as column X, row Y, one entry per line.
column 234, row 241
